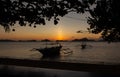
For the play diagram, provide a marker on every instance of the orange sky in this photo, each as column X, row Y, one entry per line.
column 65, row 30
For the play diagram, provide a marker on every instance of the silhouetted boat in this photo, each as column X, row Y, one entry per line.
column 83, row 45
column 50, row 51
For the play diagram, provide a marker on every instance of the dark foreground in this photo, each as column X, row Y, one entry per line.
column 104, row 68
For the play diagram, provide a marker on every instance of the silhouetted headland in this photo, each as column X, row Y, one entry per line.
column 7, row 40
column 83, row 39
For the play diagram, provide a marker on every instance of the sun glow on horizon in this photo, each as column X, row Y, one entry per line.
column 59, row 34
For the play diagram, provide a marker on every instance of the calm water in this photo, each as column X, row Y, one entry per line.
column 96, row 52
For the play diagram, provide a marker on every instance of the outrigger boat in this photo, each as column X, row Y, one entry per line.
column 83, row 45
column 50, row 51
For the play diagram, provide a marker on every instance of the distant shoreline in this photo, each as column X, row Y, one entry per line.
column 50, row 41
column 61, row 65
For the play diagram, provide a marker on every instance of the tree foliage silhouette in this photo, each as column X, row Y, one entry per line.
column 104, row 17
column 36, row 11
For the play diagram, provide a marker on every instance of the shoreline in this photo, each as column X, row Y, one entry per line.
column 87, row 67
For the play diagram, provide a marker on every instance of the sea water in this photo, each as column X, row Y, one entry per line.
column 95, row 52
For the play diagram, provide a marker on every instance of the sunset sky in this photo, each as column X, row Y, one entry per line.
column 64, row 30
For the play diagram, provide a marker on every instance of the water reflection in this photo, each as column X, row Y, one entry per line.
column 93, row 74
column 15, row 71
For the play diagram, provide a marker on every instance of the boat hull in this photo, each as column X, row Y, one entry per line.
column 50, row 52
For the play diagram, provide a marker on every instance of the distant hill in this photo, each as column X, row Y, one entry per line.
column 6, row 40
column 45, row 40
column 83, row 39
